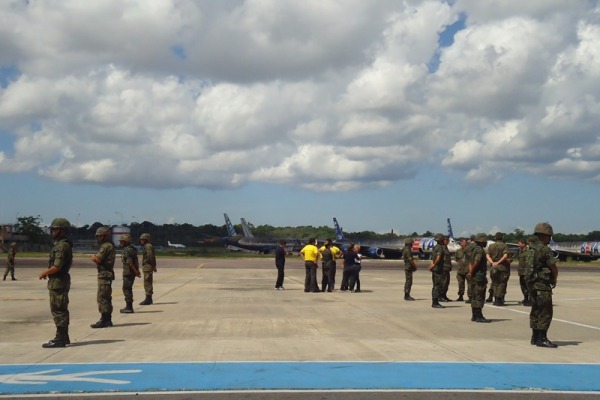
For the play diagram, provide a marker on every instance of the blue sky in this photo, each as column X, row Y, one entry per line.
column 396, row 117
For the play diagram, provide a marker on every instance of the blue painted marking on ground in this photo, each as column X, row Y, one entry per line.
column 144, row 377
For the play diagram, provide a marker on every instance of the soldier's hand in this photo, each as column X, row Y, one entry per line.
column 154, row 269
column 138, row 274
column 42, row 275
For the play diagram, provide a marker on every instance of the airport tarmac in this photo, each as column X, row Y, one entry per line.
column 218, row 325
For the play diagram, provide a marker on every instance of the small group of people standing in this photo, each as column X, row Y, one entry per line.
column 537, row 275
column 59, row 279
column 328, row 254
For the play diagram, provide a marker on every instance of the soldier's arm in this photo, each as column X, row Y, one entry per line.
column 435, row 262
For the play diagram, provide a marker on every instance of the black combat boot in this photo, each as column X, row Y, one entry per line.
column 543, row 340
column 408, row 297
column 468, row 301
column 460, row 298
column 534, row 336
column 128, row 308
column 105, row 322
column 526, row 302
column 473, row 314
column 501, row 301
column 147, row 300
column 60, row 340
column 479, row 316
column 436, row 304
column 490, row 298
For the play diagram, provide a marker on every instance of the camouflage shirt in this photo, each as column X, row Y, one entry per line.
column 106, row 254
column 129, row 257
column 438, row 251
column 148, row 258
column 408, row 258
column 459, row 257
column 61, row 256
column 496, row 251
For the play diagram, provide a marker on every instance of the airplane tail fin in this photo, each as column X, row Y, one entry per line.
column 169, row 243
column 246, row 228
column 338, row 231
column 450, row 233
column 230, row 229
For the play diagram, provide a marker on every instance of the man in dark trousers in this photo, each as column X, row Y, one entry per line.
column 280, row 264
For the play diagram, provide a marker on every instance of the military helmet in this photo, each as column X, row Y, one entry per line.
column 499, row 236
column 62, row 223
column 13, row 244
column 408, row 241
column 481, row 238
column 126, row 237
column 145, row 236
column 103, row 230
column 438, row 237
column 544, row 228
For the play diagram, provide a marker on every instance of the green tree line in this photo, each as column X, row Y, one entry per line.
column 192, row 235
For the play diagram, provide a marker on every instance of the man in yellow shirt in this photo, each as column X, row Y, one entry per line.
column 329, row 253
column 310, row 255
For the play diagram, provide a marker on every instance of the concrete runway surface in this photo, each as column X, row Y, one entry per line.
column 219, row 330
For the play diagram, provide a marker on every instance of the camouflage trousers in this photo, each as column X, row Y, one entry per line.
column 446, row 284
column 438, row 285
column 478, row 299
column 499, row 282
column 524, row 288
column 59, row 305
column 104, row 296
column 148, row 283
column 10, row 269
column 409, row 280
column 461, row 278
column 128, row 281
column 541, row 309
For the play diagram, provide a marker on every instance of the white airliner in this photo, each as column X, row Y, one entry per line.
column 176, row 245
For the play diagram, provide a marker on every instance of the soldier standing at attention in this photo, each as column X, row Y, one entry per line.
column 522, row 243
column 499, row 259
column 462, row 269
column 437, row 270
column 469, row 250
column 409, row 267
column 310, row 255
column 477, row 271
column 105, row 263
column 447, row 270
column 10, row 261
column 280, row 264
column 543, row 274
column 148, row 267
column 59, row 281
column 131, row 269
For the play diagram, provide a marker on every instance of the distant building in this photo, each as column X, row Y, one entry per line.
column 7, row 236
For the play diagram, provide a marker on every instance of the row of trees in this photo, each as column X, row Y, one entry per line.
column 191, row 235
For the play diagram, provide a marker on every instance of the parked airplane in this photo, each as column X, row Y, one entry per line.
column 393, row 250
column 260, row 245
column 176, row 245
column 586, row 251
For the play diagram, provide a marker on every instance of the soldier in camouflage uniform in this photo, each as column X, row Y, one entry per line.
column 437, row 270
column 462, row 268
column 499, row 259
column 447, row 270
column 477, row 271
column 59, row 281
column 148, row 267
column 10, row 261
column 542, row 276
column 131, row 269
column 105, row 263
column 471, row 246
column 522, row 243
column 409, row 267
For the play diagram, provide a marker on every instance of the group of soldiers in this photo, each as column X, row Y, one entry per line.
column 59, row 280
column 537, row 275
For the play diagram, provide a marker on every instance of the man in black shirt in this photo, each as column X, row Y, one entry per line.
column 280, row 264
